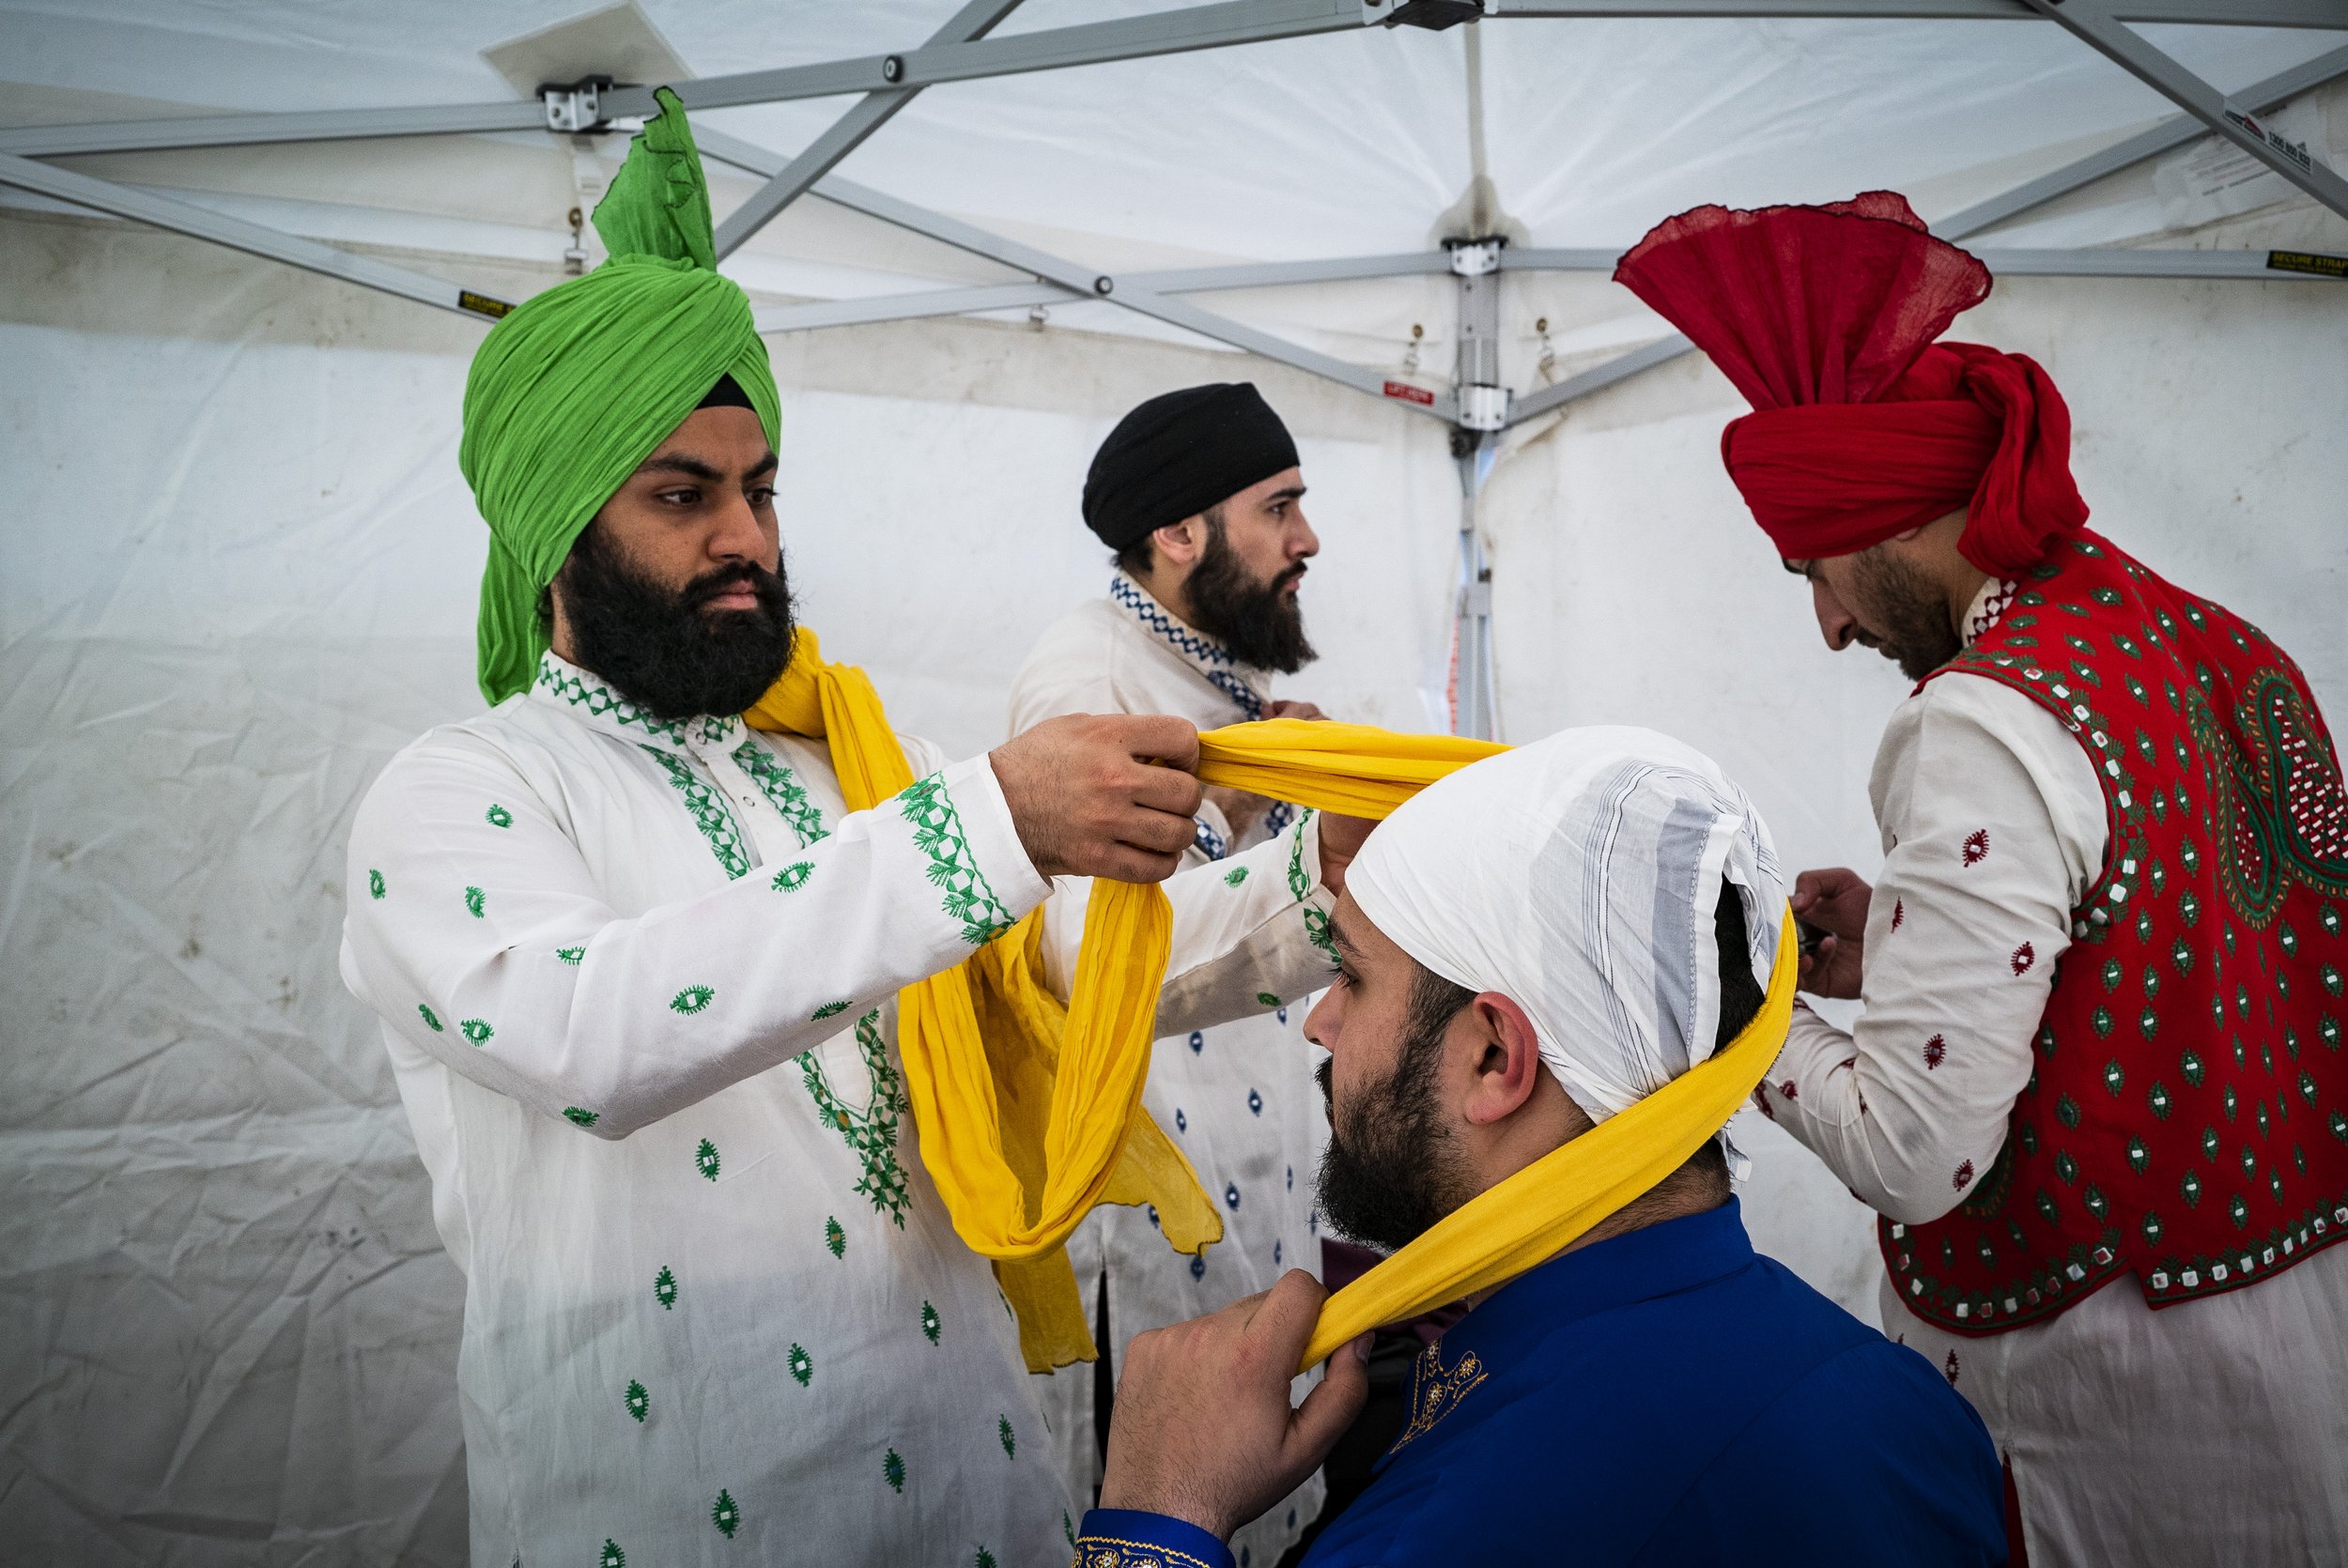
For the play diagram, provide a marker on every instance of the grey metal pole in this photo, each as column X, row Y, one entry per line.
column 2093, row 25
column 1482, row 402
column 846, row 134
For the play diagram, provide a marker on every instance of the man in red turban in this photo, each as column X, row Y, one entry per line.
column 2101, row 967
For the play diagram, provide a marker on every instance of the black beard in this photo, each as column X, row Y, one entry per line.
column 1259, row 624
column 1917, row 635
column 1385, row 1177
column 661, row 648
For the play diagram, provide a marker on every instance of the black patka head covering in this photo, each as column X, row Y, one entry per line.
column 1175, row 455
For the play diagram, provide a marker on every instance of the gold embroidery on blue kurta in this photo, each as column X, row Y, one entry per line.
column 1436, row 1393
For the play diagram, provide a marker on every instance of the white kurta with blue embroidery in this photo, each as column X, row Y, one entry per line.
column 636, row 979
column 1240, row 1099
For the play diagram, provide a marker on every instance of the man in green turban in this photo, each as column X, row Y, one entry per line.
column 636, row 966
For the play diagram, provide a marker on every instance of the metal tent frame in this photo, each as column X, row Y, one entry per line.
column 1475, row 406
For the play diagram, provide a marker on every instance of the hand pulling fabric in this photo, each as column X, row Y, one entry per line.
column 1031, row 1113
column 1824, row 318
column 579, row 384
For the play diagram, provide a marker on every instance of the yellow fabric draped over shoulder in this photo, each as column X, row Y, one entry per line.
column 1528, row 1218
column 1030, row 1112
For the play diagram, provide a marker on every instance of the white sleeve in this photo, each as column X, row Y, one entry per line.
column 1250, row 932
column 477, row 932
column 1994, row 828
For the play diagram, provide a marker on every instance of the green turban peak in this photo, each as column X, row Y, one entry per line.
column 578, row 384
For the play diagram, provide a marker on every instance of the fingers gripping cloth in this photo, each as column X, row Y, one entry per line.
column 1031, row 1112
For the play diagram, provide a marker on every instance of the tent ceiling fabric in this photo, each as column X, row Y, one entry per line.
column 1345, row 144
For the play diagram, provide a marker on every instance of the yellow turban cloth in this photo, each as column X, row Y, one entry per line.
column 1031, row 1112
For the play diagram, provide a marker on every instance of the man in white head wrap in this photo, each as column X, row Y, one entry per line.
column 1530, row 947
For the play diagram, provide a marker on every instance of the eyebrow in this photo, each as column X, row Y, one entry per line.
column 1294, row 492
column 694, row 467
column 1337, row 934
column 1799, row 568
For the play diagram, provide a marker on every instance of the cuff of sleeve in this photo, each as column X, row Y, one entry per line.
column 993, row 837
column 1130, row 1539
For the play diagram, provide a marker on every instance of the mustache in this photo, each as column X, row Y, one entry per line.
column 724, row 580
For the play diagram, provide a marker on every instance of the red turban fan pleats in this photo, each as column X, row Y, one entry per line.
column 1863, row 428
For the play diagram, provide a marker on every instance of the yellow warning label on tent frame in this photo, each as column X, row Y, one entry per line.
column 2306, row 261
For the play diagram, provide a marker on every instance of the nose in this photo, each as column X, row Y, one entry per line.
column 737, row 535
column 1312, row 1020
column 1836, row 625
column 1306, row 544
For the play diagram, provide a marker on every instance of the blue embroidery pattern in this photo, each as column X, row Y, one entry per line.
column 1209, row 841
column 1212, row 659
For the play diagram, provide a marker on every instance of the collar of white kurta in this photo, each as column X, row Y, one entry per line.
column 1988, row 608
column 585, row 697
column 1248, row 688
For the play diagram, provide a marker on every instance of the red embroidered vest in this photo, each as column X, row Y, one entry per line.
column 2187, row 1117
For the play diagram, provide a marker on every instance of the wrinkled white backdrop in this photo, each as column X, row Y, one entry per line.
column 237, row 563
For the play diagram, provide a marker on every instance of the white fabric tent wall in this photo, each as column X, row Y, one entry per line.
column 240, row 573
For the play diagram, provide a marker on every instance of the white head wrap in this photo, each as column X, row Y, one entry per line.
column 1577, row 876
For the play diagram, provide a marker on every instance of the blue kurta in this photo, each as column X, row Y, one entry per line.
column 1665, row 1397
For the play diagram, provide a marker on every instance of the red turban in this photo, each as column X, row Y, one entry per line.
column 1863, row 428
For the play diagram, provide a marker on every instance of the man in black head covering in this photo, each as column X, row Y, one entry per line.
column 1199, row 495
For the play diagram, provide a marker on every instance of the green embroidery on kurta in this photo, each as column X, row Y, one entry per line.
column 477, row 901
column 782, row 790
column 801, row 1364
column 1301, row 886
column 664, row 1288
column 1267, row 999
column 937, row 833
column 584, row 1118
column 709, row 812
column 705, row 1160
column 722, row 1513
column 691, row 1000
column 834, row 1238
column 375, row 883
column 571, row 956
column 638, row 1401
column 1068, row 1527
column 830, row 1009
column 612, row 1557
column 499, row 816
column 984, row 1560
column 598, row 699
column 476, row 1030
column 1236, row 875
column 1003, row 1434
column 871, row 1132
column 431, row 1018
column 794, row 876
column 893, row 1470
column 930, row 1322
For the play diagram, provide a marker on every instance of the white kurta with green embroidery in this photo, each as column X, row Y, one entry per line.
column 636, row 982
column 1238, row 1099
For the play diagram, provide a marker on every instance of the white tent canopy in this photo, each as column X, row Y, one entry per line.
column 240, row 567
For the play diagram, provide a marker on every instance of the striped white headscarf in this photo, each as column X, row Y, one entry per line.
column 1577, row 876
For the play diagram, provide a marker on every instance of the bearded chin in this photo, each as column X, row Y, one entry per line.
column 659, row 646
column 1385, row 1177
column 1262, row 623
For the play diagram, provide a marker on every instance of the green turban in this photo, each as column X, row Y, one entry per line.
column 579, row 384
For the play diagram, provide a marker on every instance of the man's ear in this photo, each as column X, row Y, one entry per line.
column 1180, row 543
column 1506, row 1065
